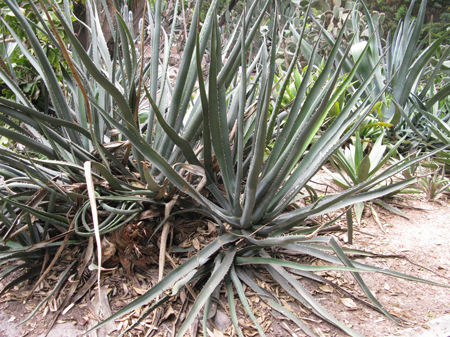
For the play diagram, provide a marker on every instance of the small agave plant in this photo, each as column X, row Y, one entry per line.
column 357, row 163
column 434, row 184
column 117, row 139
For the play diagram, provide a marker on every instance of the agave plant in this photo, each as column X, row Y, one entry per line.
column 434, row 116
column 433, row 184
column 402, row 59
column 97, row 167
column 357, row 163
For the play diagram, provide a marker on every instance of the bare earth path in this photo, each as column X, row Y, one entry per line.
column 424, row 240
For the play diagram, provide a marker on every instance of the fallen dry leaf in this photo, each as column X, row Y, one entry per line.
column 168, row 313
column 222, row 320
column 140, row 291
column 286, row 305
column 348, row 302
column 196, row 243
column 215, row 333
column 320, row 333
column 326, row 288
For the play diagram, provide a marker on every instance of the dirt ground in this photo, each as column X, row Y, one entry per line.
column 420, row 246
column 422, row 241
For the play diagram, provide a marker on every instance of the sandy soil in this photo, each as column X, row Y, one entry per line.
column 423, row 244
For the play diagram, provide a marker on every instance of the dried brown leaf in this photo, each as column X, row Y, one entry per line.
column 326, row 288
column 348, row 302
column 139, row 291
column 168, row 313
column 196, row 243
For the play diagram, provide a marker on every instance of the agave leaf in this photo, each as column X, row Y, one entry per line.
column 12, row 125
column 441, row 94
column 404, row 55
column 216, row 277
column 437, row 68
column 277, row 241
column 240, row 261
column 312, row 303
column 102, row 80
column 154, row 63
column 23, row 255
column 155, row 158
column 165, row 87
column 359, row 155
column 112, row 222
column 375, row 46
column 318, row 253
column 408, row 120
column 326, row 204
column 350, row 226
column 231, row 65
column 146, row 313
column 359, row 209
column 239, row 142
column 207, row 312
column 258, row 147
column 272, row 300
column 26, row 162
column 183, row 144
column 363, row 169
column 319, row 152
column 306, row 48
column 5, row 77
column 232, row 306
column 12, row 269
column 323, row 280
column 52, row 218
column 400, row 166
column 287, row 79
column 28, row 142
column 186, row 80
column 313, row 229
column 27, row 276
column 151, row 183
column 244, row 301
column 359, row 279
column 205, row 110
column 42, row 66
column 344, row 163
column 348, row 65
column 116, row 184
column 391, row 209
column 23, row 110
column 298, row 101
column 420, row 63
column 382, row 162
column 58, row 286
column 171, row 278
column 128, row 50
column 33, row 202
column 121, row 210
column 218, row 120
